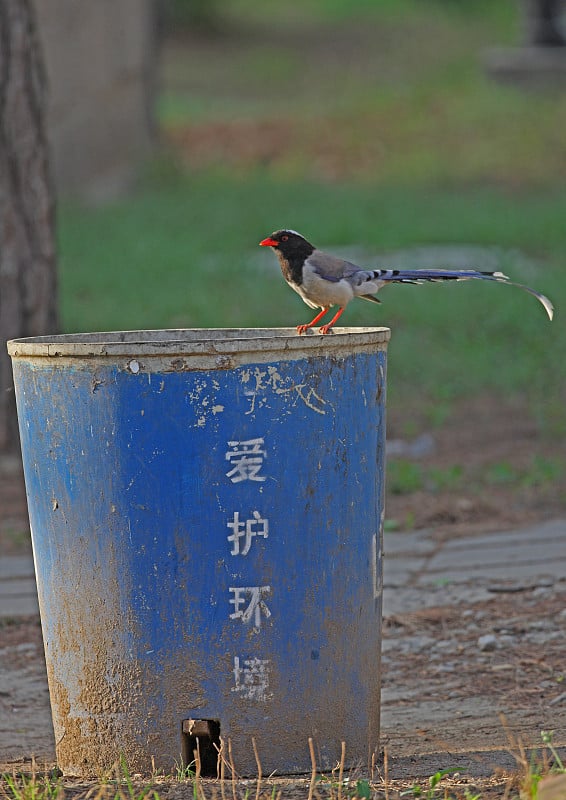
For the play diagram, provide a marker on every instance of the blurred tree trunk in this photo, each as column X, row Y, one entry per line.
column 27, row 210
column 543, row 23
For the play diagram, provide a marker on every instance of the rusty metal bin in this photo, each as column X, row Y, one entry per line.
column 206, row 510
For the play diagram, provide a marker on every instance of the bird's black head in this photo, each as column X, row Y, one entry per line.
column 290, row 244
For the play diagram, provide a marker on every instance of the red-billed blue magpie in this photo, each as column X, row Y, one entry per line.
column 324, row 280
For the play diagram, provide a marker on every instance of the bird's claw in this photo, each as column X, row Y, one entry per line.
column 302, row 329
column 325, row 329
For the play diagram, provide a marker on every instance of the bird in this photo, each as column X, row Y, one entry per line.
column 324, row 280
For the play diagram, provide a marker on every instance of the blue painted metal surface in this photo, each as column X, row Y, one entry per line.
column 206, row 511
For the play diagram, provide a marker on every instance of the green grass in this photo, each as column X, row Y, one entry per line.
column 185, row 254
column 368, row 126
column 405, row 477
column 392, row 91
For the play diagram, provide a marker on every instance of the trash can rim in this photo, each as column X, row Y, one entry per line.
column 198, row 341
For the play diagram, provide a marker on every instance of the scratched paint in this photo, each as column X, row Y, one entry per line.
column 207, row 511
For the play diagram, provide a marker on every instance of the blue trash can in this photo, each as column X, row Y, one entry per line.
column 206, row 511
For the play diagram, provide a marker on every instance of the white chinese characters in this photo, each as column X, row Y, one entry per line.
column 251, row 678
column 248, row 603
column 244, row 532
column 256, row 606
column 246, row 459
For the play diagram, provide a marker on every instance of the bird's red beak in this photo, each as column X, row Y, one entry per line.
column 269, row 242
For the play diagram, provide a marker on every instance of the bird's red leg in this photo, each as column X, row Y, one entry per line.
column 304, row 328
column 326, row 328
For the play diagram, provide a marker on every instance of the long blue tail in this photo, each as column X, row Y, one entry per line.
column 431, row 275
column 426, row 275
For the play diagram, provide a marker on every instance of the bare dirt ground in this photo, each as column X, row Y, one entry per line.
column 496, row 446
column 443, row 688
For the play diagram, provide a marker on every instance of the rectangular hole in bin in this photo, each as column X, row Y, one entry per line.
column 201, row 736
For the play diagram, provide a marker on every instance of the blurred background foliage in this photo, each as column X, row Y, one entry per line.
column 372, row 127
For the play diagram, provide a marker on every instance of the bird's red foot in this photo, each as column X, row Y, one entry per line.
column 304, row 328
column 325, row 328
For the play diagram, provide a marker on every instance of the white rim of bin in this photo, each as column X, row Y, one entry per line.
column 226, row 345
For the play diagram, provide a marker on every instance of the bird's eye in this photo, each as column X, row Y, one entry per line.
column 284, row 238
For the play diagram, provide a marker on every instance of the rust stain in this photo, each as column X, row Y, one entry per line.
column 92, row 734
column 178, row 365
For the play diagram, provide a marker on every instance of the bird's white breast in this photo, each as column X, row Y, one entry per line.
column 300, row 290
column 317, row 292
